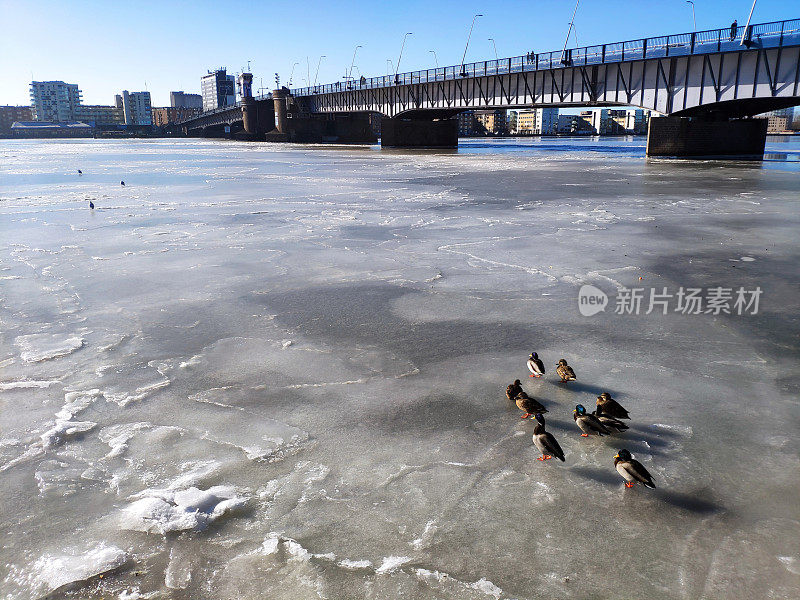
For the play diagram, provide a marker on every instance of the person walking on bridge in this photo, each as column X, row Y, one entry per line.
column 734, row 28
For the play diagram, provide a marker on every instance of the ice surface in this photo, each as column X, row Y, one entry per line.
column 280, row 367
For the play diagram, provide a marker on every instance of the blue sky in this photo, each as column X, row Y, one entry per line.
column 161, row 46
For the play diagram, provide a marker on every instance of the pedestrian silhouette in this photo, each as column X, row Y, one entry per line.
column 122, row 183
column 80, row 172
column 91, row 204
column 734, row 27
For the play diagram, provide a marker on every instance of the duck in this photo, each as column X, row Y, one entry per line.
column 610, row 422
column 632, row 470
column 91, row 204
column 588, row 424
column 565, row 371
column 529, row 405
column 611, row 407
column 535, row 365
column 513, row 390
column 545, row 441
column 122, row 183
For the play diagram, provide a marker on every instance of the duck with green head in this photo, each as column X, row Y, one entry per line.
column 588, row 423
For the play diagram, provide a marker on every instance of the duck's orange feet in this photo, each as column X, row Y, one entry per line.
column 584, row 435
column 629, row 484
column 547, row 457
column 531, row 375
column 525, row 416
column 541, row 458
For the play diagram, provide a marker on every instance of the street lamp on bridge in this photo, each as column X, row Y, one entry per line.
column 463, row 58
column 495, row 48
column 435, row 58
column 354, row 60
column 317, row 73
column 694, row 21
column 292, row 74
column 397, row 69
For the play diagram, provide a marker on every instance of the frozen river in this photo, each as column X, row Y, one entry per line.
column 272, row 371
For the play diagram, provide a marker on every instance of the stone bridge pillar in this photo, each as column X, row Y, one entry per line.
column 250, row 115
column 281, row 98
column 411, row 133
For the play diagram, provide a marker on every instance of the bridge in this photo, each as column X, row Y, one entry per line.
column 705, row 82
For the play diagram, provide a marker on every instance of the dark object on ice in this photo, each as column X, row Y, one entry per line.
column 91, row 204
column 632, row 470
column 80, row 172
column 611, row 407
column 565, row 371
column 535, row 365
column 545, row 442
column 610, row 422
column 122, row 183
column 514, row 390
column 588, row 424
column 529, row 405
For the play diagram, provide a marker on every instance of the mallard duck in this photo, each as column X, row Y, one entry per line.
column 588, row 424
column 535, row 365
column 611, row 407
column 565, row 371
column 632, row 470
column 529, row 405
column 513, row 390
column 545, row 441
column 610, row 422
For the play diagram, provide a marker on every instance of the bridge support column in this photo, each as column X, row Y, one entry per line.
column 250, row 115
column 682, row 137
column 280, row 98
column 408, row 133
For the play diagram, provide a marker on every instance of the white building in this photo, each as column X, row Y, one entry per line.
column 136, row 108
column 55, row 101
column 538, row 121
column 184, row 100
column 218, row 89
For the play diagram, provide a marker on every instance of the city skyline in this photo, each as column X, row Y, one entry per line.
column 106, row 54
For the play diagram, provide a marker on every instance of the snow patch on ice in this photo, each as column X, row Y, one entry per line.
column 55, row 571
column 26, row 384
column 38, row 347
column 392, row 563
column 163, row 511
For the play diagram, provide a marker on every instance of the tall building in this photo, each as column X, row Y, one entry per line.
column 184, row 100
column 55, row 101
column 218, row 89
column 539, row 121
column 13, row 114
column 512, row 121
column 136, row 108
column 491, row 122
column 779, row 121
column 467, row 124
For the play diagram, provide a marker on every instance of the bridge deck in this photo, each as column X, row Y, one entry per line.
column 763, row 35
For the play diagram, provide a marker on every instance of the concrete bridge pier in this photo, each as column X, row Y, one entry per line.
column 417, row 133
column 280, row 99
column 696, row 137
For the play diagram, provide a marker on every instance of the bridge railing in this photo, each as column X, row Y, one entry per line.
column 763, row 35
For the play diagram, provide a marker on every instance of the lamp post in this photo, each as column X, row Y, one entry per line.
column 463, row 58
column 435, row 58
column 566, row 41
column 694, row 21
column 747, row 27
column 292, row 75
column 495, row 48
column 354, row 60
column 397, row 69
column 317, row 73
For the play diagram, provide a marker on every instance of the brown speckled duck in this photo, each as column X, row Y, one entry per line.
column 513, row 390
column 565, row 371
column 530, row 406
column 611, row 407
